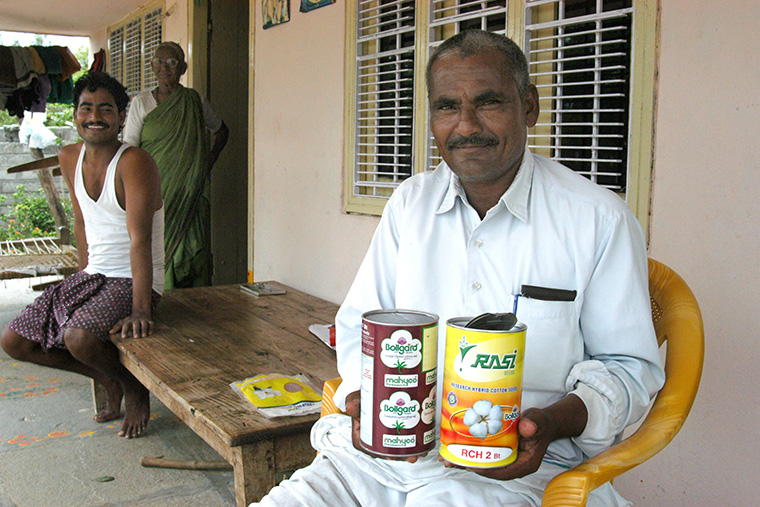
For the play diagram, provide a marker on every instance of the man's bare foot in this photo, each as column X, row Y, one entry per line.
column 136, row 412
column 114, row 394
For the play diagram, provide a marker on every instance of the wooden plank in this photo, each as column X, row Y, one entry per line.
column 53, row 200
column 41, row 163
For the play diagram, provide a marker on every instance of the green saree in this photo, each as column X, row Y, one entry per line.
column 174, row 134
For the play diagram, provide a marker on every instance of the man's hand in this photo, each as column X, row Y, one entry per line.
column 139, row 324
column 353, row 408
column 536, row 430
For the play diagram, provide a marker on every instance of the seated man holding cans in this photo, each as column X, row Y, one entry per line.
column 466, row 239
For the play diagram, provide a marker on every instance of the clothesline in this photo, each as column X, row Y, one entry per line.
column 32, row 76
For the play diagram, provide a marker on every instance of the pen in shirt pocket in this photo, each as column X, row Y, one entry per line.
column 543, row 294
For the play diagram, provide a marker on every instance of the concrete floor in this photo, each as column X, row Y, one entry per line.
column 53, row 454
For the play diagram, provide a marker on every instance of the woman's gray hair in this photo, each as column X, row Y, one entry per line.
column 475, row 42
column 176, row 48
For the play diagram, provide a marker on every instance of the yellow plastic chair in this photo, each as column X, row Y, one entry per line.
column 678, row 321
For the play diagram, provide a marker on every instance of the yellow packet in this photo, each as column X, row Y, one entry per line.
column 276, row 395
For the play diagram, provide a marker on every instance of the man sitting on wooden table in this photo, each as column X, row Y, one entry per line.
column 119, row 224
column 461, row 240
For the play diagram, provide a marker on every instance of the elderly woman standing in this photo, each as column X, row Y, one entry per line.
column 172, row 123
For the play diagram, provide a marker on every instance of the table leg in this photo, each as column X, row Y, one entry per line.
column 253, row 466
column 259, row 466
column 99, row 397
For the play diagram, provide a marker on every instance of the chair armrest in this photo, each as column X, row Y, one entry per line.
column 328, row 391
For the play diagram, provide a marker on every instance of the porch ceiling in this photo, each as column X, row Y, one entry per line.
column 63, row 17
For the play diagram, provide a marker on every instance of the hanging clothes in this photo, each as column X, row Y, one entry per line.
column 30, row 77
column 98, row 61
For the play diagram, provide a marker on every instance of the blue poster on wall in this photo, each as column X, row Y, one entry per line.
column 310, row 5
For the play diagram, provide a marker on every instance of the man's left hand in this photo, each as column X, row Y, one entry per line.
column 535, row 435
column 537, row 429
column 139, row 324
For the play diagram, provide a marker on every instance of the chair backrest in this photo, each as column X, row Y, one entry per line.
column 678, row 323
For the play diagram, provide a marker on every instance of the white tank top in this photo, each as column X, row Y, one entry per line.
column 105, row 225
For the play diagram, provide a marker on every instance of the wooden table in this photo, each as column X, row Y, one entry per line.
column 206, row 338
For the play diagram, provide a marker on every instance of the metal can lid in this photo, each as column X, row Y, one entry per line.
column 461, row 322
column 396, row 316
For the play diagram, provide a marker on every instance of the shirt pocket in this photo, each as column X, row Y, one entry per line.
column 553, row 344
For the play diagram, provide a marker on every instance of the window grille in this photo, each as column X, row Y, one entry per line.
column 131, row 45
column 448, row 18
column 152, row 35
column 580, row 59
column 116, row 50
column 133, row 57
column 385, row 41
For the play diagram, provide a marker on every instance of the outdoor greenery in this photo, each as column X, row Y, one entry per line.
column 29, row 216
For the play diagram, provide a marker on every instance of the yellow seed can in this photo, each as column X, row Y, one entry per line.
column 482, row 391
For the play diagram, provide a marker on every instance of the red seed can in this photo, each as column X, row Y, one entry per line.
column 399, row 373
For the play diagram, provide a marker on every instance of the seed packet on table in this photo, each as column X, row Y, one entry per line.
column 276, row 395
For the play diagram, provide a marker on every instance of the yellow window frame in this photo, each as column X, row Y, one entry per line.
column 640, row 153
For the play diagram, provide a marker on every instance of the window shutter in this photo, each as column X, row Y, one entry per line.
column 384, row 96
column 133, row 57
column 116, row 50
column 152, row 35
column 450, row 17
column 580, row 59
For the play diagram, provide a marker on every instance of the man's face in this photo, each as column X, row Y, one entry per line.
column 167, row 67
column 479, row 121
column 97, row 117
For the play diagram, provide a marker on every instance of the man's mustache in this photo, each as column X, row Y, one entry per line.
column 471, row 141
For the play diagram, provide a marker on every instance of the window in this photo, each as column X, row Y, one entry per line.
column 384, row 97
column 131, row 45
column 595, row 86
column 580, row 57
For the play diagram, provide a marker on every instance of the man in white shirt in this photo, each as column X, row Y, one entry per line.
column 462, row 240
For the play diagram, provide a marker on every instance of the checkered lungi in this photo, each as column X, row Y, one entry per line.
column 83, row 301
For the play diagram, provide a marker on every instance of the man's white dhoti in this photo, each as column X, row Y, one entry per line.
column 344, row 476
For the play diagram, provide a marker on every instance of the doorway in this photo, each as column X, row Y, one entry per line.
column 228, row 90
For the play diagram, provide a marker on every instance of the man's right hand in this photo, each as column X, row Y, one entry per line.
column 353, row 409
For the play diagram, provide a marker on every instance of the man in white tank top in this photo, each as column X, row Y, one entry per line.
column 118, row 223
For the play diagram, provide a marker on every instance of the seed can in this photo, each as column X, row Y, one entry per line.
column 482, row 391
column 399, row 374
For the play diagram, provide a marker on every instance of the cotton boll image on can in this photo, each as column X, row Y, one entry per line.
column 482, row 390
column 399, row 376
